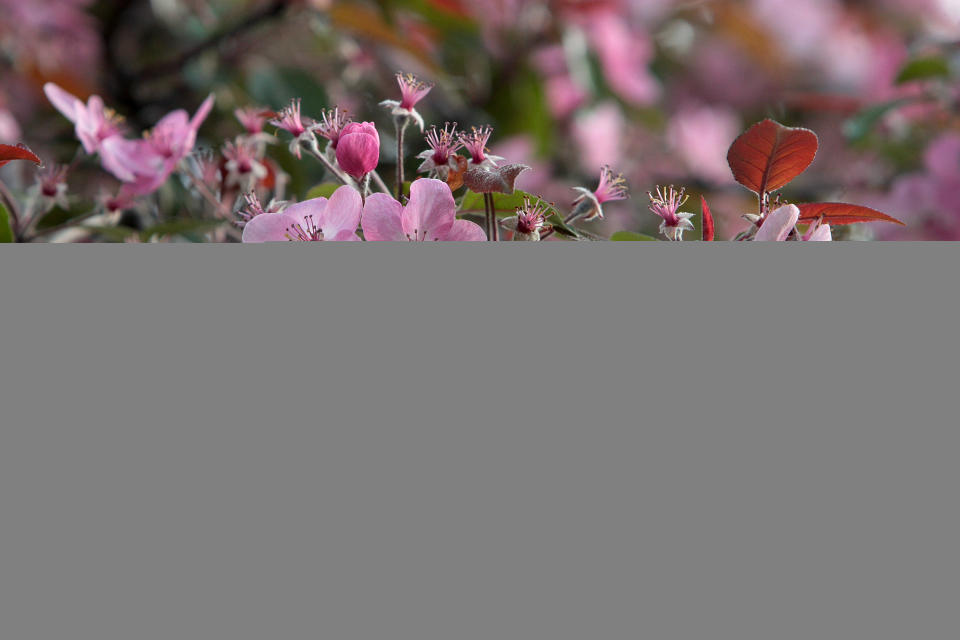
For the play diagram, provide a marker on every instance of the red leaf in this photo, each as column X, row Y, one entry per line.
column 838, row 213
column 19, row 152
column 769, row 155
column 708, row 227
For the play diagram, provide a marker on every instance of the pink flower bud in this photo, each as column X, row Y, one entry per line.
column 358, row 150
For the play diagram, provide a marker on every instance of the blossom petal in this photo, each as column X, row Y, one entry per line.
column 342, row 213
column 346, row 236
column 821, row 234
column 66, row 103
column 382, row 219
column 431, row 210
column 465, row 231
column 309, row 214
column 778, row 224
column 202, row 113
column 267, row 227
column 174, row 121
column 124, row 158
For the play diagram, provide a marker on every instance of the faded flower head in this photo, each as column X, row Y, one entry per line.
column 254, row 208
column 589, row 204
column 242, row 165
column 441, row 156
column 253, row 119
column 52, row 186
column 412, row 91
column 290, row 120
column 475, row 142
column 331, row 125
column 530, row 221
column 666, row 204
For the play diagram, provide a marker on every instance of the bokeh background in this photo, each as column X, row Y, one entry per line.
column 656, row 88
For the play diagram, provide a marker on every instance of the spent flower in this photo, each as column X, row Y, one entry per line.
column 475, row 142
column 530, row 221
column 290, row 120
column 412, row 91
column 589, row 204
column 442, row 154
column 666, row 204
column 331, row 125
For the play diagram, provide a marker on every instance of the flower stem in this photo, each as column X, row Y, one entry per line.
column 381, row 185
column 314, row 150
column 402, row 122
column 493, row 229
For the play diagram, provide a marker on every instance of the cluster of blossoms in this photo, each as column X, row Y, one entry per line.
column 143, row 165
column 241, row 177
column 238, row 179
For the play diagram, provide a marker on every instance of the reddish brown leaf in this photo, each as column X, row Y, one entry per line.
column 770, row 155
column 707, row 231
column 19, row 152
column 838, row 213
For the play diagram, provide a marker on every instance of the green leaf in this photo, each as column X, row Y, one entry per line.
column 506, row 205
column 324, row 190
column 857, row 128
column 630, row 236
column 6, row 231
column 924, row 69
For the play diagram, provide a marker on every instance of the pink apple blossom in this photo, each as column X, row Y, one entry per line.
column 358, row 150
column 431, row 214
column 156, row 157
column 94, row 122
column 319, row 219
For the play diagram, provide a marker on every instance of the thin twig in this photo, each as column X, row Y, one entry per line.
column 63, row 225
column 402, row 124
column 175, row 65
column 493, row 228
column 314, row 150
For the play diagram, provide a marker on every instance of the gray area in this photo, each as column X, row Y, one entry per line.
column 476, row 442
